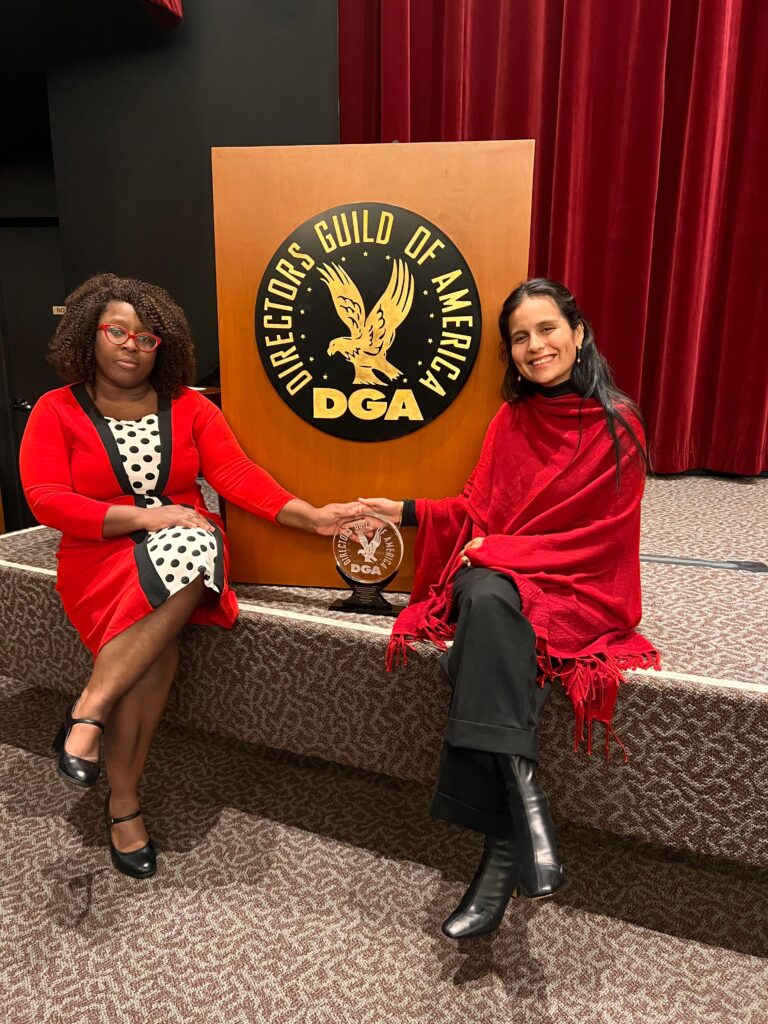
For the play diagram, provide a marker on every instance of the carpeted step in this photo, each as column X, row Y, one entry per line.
column 293, row 891
column 293, row 676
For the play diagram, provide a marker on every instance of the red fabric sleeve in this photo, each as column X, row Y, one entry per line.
column 47, row 478
column 228, row 469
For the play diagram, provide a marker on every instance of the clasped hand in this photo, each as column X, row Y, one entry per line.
column 393, row 510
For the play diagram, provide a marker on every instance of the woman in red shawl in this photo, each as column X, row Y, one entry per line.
column 112, row 461
column 534, row 574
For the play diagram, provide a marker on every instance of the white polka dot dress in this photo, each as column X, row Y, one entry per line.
column 179, row 554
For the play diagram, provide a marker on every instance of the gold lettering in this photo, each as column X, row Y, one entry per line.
column 345, row 238
column 430, row 381
column 278, row 339
column 286, row 355
column 453, row 371
column 287, row 269
column 417, row 241
column 458, row 320
column 326, row 240
column 285, row 291
column 328, row 404
column 271, row 324
column 304, row 258
column 366, row 236
column 443, row 280
column 453, row 301
column 431, row 251
column 298, row 382
column 456, row 340
column 385, row 227
column 404, row 404
column 367, row 404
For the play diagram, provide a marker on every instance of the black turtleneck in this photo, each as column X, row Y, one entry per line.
column 557, row 390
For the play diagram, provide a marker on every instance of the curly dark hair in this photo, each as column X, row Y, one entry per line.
column 71, row 349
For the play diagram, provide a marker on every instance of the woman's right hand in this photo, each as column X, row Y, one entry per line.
column 385, row 507
column 164, row 516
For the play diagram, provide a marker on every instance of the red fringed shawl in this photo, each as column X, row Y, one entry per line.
column 544, row 498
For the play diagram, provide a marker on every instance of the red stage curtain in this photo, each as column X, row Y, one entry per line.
column 650, row 192
column 174, row 6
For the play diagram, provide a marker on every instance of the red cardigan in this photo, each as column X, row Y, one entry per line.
column 72, row 474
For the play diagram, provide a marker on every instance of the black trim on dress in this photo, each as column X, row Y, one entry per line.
column 150, row 580
column 107, row 438
column 166, row 443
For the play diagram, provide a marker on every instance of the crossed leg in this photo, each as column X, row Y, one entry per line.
column 127, row 739
column 128, row 690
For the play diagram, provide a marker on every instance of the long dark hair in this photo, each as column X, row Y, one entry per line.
column 591, row 375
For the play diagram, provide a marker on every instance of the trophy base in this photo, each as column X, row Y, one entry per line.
column 352, row 605
column 365, row 599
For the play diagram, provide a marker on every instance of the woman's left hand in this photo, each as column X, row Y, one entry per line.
column 328, row 517
column 474, row 543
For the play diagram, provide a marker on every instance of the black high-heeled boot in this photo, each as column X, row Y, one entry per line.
column 138, row 863
column 77, row 770
column 541, row 873
column 483, row 904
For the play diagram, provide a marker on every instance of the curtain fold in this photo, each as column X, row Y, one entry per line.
column 649, row 199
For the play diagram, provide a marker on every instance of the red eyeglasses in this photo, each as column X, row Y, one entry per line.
column 118, row 335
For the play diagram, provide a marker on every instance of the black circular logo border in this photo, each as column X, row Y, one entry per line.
column 394, row 253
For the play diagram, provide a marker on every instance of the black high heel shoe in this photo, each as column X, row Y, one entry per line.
column 483, row 904
column 77, row 770
column 541, row 873
column 138, row 863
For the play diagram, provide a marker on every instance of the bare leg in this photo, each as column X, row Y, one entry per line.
column 122, row 661
column 129, row 733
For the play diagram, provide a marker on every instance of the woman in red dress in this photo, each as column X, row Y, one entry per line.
column 112, row 461
column 533, row 572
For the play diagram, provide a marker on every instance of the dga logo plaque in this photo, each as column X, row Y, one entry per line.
column 368, row 321
column 368, row 553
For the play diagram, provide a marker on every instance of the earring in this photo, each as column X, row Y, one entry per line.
column 519, row 377
column 578, row 355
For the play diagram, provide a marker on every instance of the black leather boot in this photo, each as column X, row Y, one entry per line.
column 483, row 904
column 540, row 872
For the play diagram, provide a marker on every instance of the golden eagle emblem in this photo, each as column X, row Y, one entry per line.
column 370, row 337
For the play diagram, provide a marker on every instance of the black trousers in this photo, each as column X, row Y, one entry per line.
column 496, row 702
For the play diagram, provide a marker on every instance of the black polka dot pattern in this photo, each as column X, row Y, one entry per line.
column 141, row 462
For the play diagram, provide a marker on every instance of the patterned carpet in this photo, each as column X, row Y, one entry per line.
column 293, row 891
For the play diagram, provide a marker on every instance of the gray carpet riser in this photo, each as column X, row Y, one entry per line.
column 292, row 890
column 697, row 775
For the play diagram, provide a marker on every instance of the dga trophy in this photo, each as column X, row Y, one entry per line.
column 368, row 553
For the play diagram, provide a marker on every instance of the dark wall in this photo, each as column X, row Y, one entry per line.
column 135, row 108
column 109, row 115
column 31, row 275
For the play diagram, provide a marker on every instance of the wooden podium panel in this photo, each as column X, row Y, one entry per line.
column 479, row 194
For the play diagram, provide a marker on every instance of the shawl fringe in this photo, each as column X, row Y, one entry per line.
column 544, row 500
column 591, row 682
